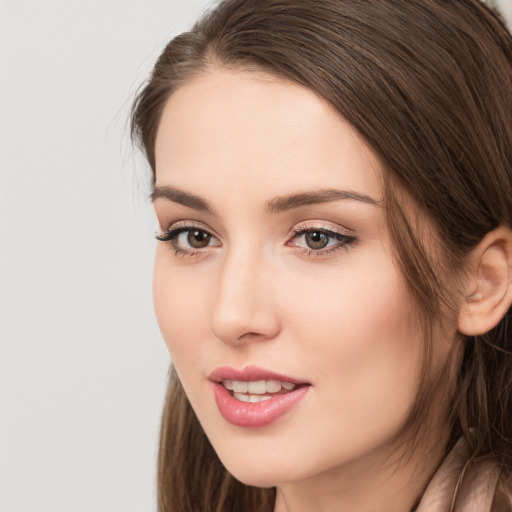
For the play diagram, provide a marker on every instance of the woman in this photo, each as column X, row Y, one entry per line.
column 333, row 279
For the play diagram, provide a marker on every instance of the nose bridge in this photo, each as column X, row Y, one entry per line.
column 243, row 305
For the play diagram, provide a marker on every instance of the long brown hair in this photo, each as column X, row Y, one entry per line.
column 428, row 84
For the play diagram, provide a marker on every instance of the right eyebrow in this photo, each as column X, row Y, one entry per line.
column 291, row 201
column 181, row 197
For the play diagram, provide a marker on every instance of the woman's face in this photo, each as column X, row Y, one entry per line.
column 277, row 267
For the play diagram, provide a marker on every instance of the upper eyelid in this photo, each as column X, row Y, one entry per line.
column 188, row 224
column 321, row 226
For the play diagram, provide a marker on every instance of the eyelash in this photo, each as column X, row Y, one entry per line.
column 171, row 235
column 344, row 241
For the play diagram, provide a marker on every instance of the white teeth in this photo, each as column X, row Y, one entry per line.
column 273, row 386
column 240, row 386
column 251, row 398
column 257, row 387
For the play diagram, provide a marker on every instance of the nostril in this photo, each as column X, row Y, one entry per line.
column 250, row 336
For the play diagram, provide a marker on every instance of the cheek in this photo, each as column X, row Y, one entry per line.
column 356, row 306
column 361, row 339
column 180, row 306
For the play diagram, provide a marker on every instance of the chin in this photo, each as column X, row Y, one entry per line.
column 256, row 477
column 260, row 468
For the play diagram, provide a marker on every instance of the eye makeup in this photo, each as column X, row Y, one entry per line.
column 313, row 239
column 190, row 239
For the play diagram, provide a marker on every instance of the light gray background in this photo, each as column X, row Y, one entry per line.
column 82, row 364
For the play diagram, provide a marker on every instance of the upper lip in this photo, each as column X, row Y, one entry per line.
column 250, row 373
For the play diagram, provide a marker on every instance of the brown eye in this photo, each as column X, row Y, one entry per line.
column 189, row 240
column 320, row 242
column 198, row 239
column 316, row 239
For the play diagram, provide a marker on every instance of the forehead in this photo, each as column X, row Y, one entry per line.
column 253, row 132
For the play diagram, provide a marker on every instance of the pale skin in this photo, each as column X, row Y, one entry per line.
column 230, row 146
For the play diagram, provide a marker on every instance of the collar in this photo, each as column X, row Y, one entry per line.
column 458, row 486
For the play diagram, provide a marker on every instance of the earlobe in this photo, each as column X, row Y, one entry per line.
column 488, row 284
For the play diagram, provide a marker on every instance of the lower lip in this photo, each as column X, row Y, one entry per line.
column 253, row 415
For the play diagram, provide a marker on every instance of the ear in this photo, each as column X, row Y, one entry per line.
column 488, row 283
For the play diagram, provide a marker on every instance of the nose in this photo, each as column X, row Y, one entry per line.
column 245, row 308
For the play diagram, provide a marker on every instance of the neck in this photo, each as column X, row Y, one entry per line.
column 388, row 481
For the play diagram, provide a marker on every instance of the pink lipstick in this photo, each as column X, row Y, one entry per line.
column 254, row 397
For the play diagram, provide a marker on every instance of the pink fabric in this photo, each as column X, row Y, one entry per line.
column 477, row 485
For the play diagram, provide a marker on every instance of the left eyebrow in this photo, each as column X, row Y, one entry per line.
column 181, row 197
column 291, row 201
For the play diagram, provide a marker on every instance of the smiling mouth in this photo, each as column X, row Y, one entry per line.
column 255, row 391
column 254, row 397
